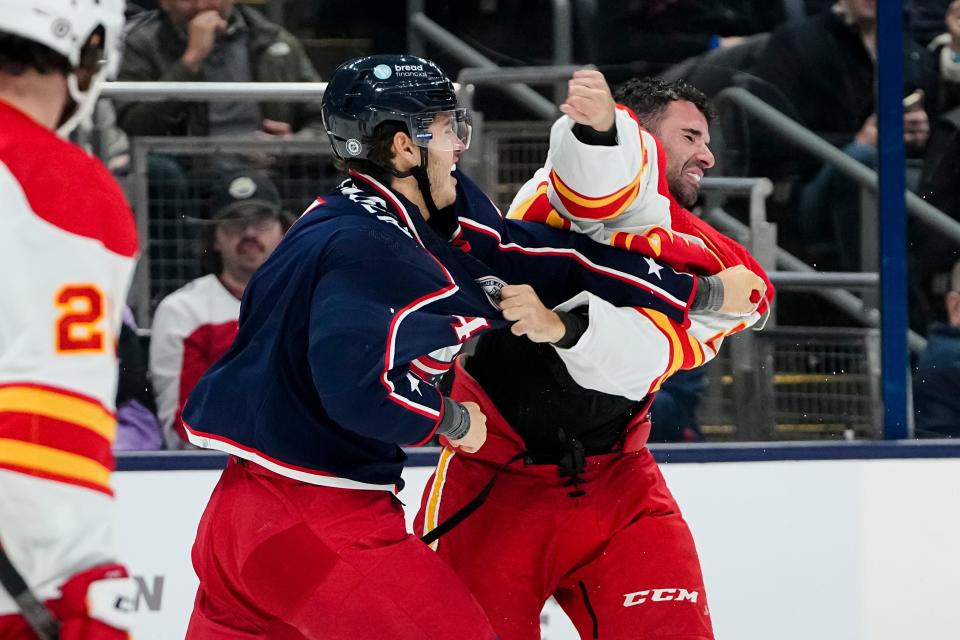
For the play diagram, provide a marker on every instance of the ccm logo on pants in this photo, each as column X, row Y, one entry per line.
column 659, row 595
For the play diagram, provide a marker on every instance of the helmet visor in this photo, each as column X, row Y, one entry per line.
column 442, row 130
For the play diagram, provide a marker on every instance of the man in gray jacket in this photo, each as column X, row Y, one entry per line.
column 213, row 41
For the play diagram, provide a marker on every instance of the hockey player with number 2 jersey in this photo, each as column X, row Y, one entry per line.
column 69, row 244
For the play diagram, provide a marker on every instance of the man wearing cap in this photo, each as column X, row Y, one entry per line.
column 197, row 323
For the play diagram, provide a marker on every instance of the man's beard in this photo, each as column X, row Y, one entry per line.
column 683, row 192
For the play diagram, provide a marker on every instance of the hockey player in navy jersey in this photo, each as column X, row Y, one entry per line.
column 343, row 332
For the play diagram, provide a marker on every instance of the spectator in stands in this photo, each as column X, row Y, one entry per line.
column 823, row 66
column 214, row 41
column 946, row 48
column 932, row 253
column 822, row 69
column 137, row 426
column 926, row 19
column 196, row 324
column 936, row 382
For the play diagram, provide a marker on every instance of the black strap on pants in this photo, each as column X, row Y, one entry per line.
column 38, row 617
column 471, row 506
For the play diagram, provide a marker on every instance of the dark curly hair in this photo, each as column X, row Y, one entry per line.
column 649, row 98
column 19, row 55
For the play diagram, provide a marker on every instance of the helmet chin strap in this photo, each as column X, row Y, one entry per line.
column 83, row 104
column 423, row 181
column 419, row 174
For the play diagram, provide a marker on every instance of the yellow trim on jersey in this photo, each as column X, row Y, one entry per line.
column 432, row 516
column 517, row 212
column 698, row 353
column 58, row 406
column 676, row 361
column 557, row 221
column 53, row 461
column 595, row 203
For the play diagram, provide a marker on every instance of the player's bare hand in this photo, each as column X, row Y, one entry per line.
column 202, row 32
column 589, row 100
column 521, row 305
column 477, row 434
column 742, row 290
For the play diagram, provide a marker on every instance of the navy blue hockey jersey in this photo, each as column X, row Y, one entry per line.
column 345, row 328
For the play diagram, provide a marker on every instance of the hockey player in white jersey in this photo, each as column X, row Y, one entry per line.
column 568, row 420
column 621, row 188
column 68, row 246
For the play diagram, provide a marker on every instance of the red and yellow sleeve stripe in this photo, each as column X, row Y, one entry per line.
column 599, row 208
column 537, row 208
column 685, row 351
column 648, row 245
column 54, row 434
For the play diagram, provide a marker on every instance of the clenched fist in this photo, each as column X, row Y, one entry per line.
column 589, row 101
column 742, row 290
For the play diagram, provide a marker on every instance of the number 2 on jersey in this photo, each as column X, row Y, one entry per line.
column 78, row 327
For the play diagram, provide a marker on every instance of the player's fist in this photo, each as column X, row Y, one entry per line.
column 742, row 290
column 477, row 434
column 520, row 304
column 589, row 100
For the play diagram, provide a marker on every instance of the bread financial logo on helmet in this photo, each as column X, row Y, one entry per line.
column 242, row 188
column 491, row 286
column 382, row 71
column 408, row 70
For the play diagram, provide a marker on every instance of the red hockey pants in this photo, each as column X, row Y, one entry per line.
column 280, row 559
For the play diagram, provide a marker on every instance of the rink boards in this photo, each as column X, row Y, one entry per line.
column 849, row 541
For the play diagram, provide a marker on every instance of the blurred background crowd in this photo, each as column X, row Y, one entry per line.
column 214, row 184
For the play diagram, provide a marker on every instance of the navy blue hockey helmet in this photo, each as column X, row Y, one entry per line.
column 365, row 92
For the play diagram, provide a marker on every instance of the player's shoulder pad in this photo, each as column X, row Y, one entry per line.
column 73, row 191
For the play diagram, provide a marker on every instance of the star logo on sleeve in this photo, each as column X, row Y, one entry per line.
column 414, row 383
column 654, row 268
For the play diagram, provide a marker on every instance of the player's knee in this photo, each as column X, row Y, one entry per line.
column 97, row 604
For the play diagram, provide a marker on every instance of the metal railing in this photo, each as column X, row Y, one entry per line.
column 799, row 136
column 214, row 91
column 421, row 29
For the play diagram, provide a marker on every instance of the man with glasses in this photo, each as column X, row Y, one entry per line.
column 196, row 324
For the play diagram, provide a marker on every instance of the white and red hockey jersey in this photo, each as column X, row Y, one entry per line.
column 192, row 328
column 618, row 195
column 68, row 249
